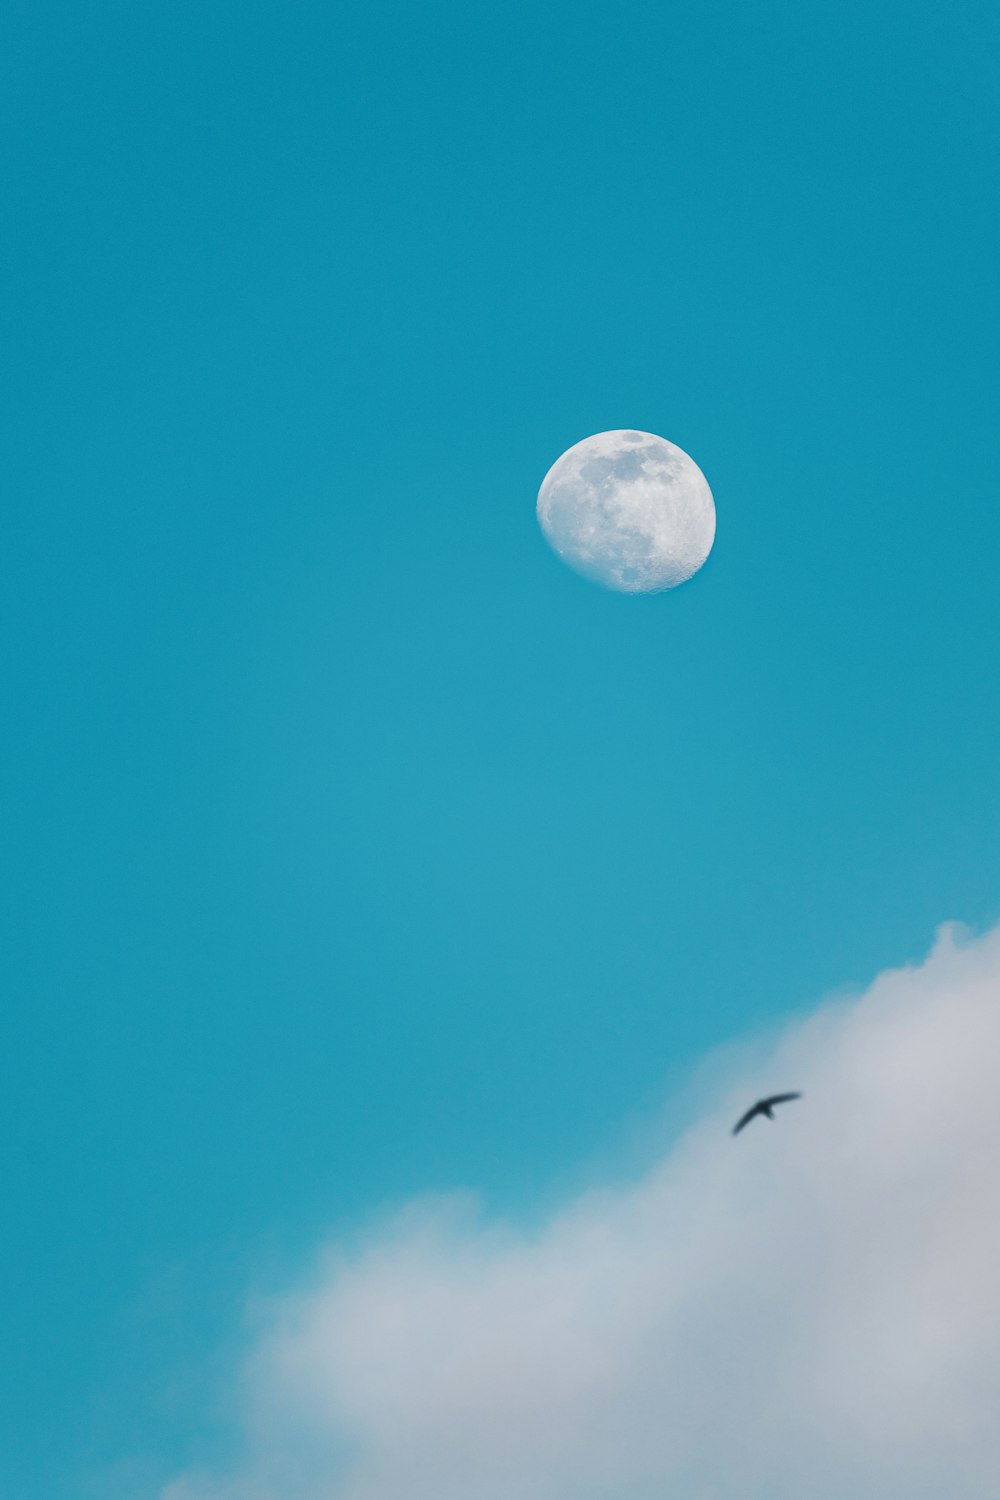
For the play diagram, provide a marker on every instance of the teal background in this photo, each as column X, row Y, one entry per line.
column 352, row 846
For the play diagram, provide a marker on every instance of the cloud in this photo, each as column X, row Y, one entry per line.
column 812, row 1309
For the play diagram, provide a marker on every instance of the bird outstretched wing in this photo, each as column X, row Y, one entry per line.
column 745, row 1119
column 780, row 1098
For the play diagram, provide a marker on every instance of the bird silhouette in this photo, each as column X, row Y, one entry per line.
column 763, row 1107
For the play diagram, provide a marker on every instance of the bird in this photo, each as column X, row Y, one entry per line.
column 763, row 1107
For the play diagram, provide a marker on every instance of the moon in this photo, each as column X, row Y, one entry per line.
column 628, row 510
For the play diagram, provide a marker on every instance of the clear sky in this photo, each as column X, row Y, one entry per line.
column 353, row 847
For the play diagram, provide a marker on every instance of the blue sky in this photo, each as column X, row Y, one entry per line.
column 353, row 847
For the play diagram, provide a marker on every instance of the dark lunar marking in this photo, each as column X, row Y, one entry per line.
column 763, row 1107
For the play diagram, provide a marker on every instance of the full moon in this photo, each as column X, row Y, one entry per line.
column 629, row 510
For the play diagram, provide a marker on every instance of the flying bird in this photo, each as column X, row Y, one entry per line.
column 763, row 1107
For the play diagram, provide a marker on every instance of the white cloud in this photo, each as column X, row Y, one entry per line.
column 812, row 1309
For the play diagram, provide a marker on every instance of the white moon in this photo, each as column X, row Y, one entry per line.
column 629, row 510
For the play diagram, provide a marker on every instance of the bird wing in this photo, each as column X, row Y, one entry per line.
column 780, row 1099
column 745, row 1119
